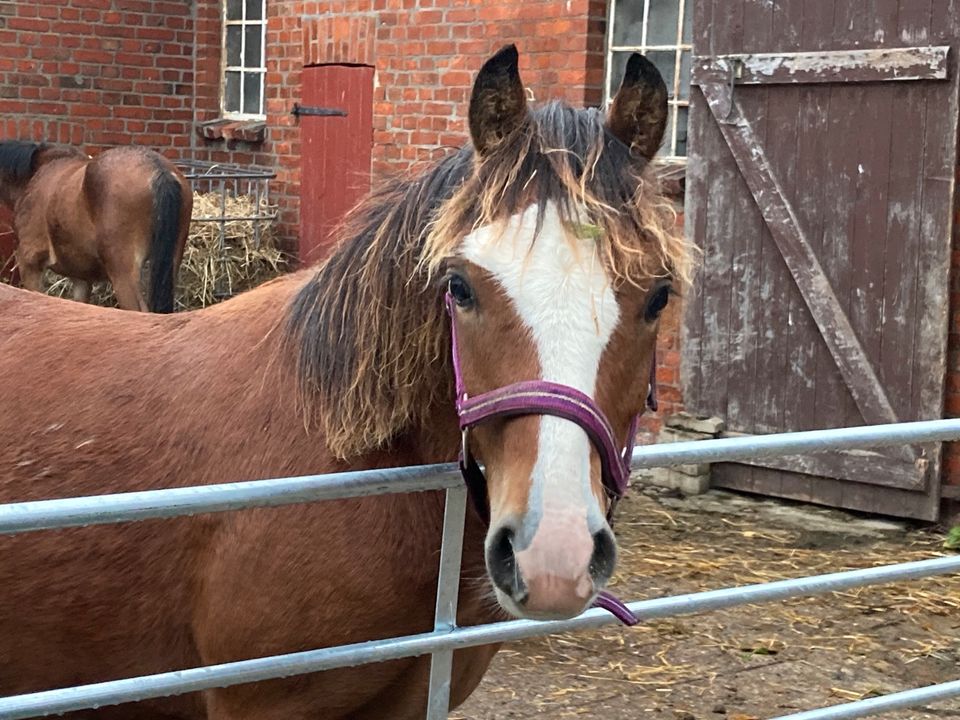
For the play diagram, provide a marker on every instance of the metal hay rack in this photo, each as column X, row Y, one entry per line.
column 228, row 182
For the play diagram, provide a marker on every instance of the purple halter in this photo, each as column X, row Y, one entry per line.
column 541, row 397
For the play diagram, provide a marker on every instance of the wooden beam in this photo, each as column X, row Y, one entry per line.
column 880, row 65
column 801, row 260
column 859, row 466
column 950, row 492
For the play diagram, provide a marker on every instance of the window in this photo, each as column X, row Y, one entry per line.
column 244, row 36
column 661, row 30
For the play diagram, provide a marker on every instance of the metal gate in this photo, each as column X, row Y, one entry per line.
column 445, row 638
column 823, row 150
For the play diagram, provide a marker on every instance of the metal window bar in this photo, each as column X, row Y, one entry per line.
column 679, row 48
column 23, row 517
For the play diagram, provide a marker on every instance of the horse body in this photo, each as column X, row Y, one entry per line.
column 94, row 219
column 162, row 595
column 557, row 253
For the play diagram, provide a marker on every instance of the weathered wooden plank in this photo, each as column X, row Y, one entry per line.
column 947, row 12
column 868, row 117
column 874, row 65
column 869, row 469
column 700, row 152
column 767, row 357
column 719, row 243
column 745, row 272
column 933, row 268
column 834, row 405
column 832, row 321
column 800, row 336
column 836, row 493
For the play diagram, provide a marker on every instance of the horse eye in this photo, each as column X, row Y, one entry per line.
column 460, row 291
column 657, row 302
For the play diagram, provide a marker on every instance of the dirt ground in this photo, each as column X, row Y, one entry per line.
column 751, row 662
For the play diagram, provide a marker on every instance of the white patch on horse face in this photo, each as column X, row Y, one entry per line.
column 561, row 292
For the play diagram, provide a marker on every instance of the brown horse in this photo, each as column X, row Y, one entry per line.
column 551, row 235
column 99, row 218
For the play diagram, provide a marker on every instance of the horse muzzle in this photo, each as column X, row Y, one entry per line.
column 559, row 572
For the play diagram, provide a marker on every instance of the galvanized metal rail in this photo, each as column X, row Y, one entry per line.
column 445, row 638
column 173, row 502
column 873, row 706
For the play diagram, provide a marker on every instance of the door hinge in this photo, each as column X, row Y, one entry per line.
column 299, row 110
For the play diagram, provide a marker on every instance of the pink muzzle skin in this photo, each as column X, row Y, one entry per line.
column 540, row 397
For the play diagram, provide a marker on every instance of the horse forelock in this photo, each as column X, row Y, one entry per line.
column 369, row 330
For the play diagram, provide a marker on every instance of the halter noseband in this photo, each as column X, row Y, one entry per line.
column 541, row 397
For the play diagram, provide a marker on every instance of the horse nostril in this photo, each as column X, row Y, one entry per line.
column 604, row 558
column 502, row 565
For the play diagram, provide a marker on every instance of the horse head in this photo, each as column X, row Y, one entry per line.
column 565, row 289
column 20, row 160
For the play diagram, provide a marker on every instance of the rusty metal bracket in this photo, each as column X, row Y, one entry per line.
column 735, row 71
column 312, row 110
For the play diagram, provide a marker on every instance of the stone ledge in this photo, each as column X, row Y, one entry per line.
column 250, row 131
column 694, row 423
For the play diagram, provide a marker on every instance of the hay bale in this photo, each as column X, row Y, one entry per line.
column 214, row 267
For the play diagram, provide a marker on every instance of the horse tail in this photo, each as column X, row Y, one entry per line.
column 167, row 203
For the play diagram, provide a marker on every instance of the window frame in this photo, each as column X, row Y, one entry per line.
column 260, row 69
column 674, row 101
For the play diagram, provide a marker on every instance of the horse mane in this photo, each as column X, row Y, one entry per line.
column 368, row 329
column 17, row 158
column 20, row 159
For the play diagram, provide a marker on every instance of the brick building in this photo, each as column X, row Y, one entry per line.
column 217, row 80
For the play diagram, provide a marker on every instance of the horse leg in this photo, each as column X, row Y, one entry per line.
column 31, row 276
column 129, row 296
column 126, row 286
column 81, row 291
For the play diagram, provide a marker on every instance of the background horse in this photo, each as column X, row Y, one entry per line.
column 99, row 218
column 347, row 367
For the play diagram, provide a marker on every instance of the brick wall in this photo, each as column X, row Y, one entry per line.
column 97, row 72
column 425, row 53
column 669, row 394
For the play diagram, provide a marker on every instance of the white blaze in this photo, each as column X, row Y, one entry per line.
column 562, row 294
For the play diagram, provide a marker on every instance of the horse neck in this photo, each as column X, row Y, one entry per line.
column 438, row 441
column 11, row 191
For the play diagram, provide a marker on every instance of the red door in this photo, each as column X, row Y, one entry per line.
column 336, row 150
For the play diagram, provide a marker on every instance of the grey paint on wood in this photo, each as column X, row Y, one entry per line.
column 873, row 65
column 865, row 171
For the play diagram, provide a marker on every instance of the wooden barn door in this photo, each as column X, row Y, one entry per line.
column 336, row 120
column 820, row 186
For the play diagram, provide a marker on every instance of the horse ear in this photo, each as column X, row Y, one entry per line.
column 498, row 104
column 638, row 114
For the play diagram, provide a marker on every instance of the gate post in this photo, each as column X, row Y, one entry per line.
column 448, row 588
